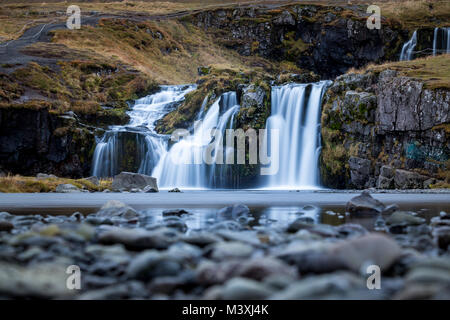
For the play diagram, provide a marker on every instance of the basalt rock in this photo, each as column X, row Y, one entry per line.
column 129, row 180
column 36, row 140
column 383, row 130
column 315, row 38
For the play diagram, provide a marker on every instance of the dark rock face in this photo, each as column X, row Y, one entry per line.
column 33, row 141
column 315, row 38
column 384, row 131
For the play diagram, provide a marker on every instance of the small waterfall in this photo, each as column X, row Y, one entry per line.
column 183, row 164
column 296, row 114
column 136, row 146
column 441, row 40
column 408, row 48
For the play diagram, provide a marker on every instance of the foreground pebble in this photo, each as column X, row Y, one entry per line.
column 124, row 254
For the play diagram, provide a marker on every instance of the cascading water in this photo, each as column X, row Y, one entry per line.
column 198, row 158
column 112, row 153
column 408, row 48
column 184, row 165
column 296, row 115
column 441, row 40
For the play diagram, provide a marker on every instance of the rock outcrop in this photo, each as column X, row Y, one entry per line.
column 36, row 140
column 128, row 181
column 326, row 40
column 386, row 131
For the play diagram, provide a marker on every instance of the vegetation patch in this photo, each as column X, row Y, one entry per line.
column 21, row 184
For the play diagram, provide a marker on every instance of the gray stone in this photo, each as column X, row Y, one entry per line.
column 174, row 190
column 261, row 268
column 387, row 171
column 149, row 189
column 174, row 212
column 139, row 239
column 150, row 264
column 6, row 226
column 233, row 212
column 245, row 289
column 129, row 180
column 329, row 286
column 252, row 97
column 364, row 204
column 385, row 183
column 404, row 218
column 128, row 290
column 34, row 281
column 442, row 237
column 230, row 250
column 359, row 171
column 66, row 188
column 369, row 249
column 93, row 180
column 408, row 179
column 114, row 208
column 41, row 176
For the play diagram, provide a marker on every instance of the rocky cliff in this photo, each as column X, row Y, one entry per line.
column 36, row 140
column 322, row 39
column 385, row 130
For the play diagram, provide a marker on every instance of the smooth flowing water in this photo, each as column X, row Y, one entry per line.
column 197, row 161
column 296, row 117
column 441, row 40
column 112, row 153
column 408, row 48
column 196, row 158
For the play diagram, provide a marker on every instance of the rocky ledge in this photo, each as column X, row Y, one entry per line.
column 125, row 254
column 385, row 130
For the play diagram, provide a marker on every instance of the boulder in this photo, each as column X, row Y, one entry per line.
column 408, row 179
column 41, row 176
column 359, row 171
column 364, row 204
column 442, row 237
column 139, row 239
column 150, row 189
column 114, row 208
column 128, row 180
column 150, row 264
column 245, row 289
column 385, row 183
column 328, row 286
column 66, row 188
column 174, row 212
column 370, row 249
column 404, row 218
column 233, row 212
column 6, row 226
column 94, row 180
column 41, row 280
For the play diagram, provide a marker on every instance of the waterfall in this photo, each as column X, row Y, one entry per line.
column 136, row 146
column 184, row 165
column 296, row 114
column 408, row 48
column 441, row 40
column 196, row 157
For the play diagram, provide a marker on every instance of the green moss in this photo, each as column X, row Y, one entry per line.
column 294, row 48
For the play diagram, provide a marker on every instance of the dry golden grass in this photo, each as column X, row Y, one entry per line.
column 433, row 70
column 172, row 58
column 414, row 14
column 21, row 184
